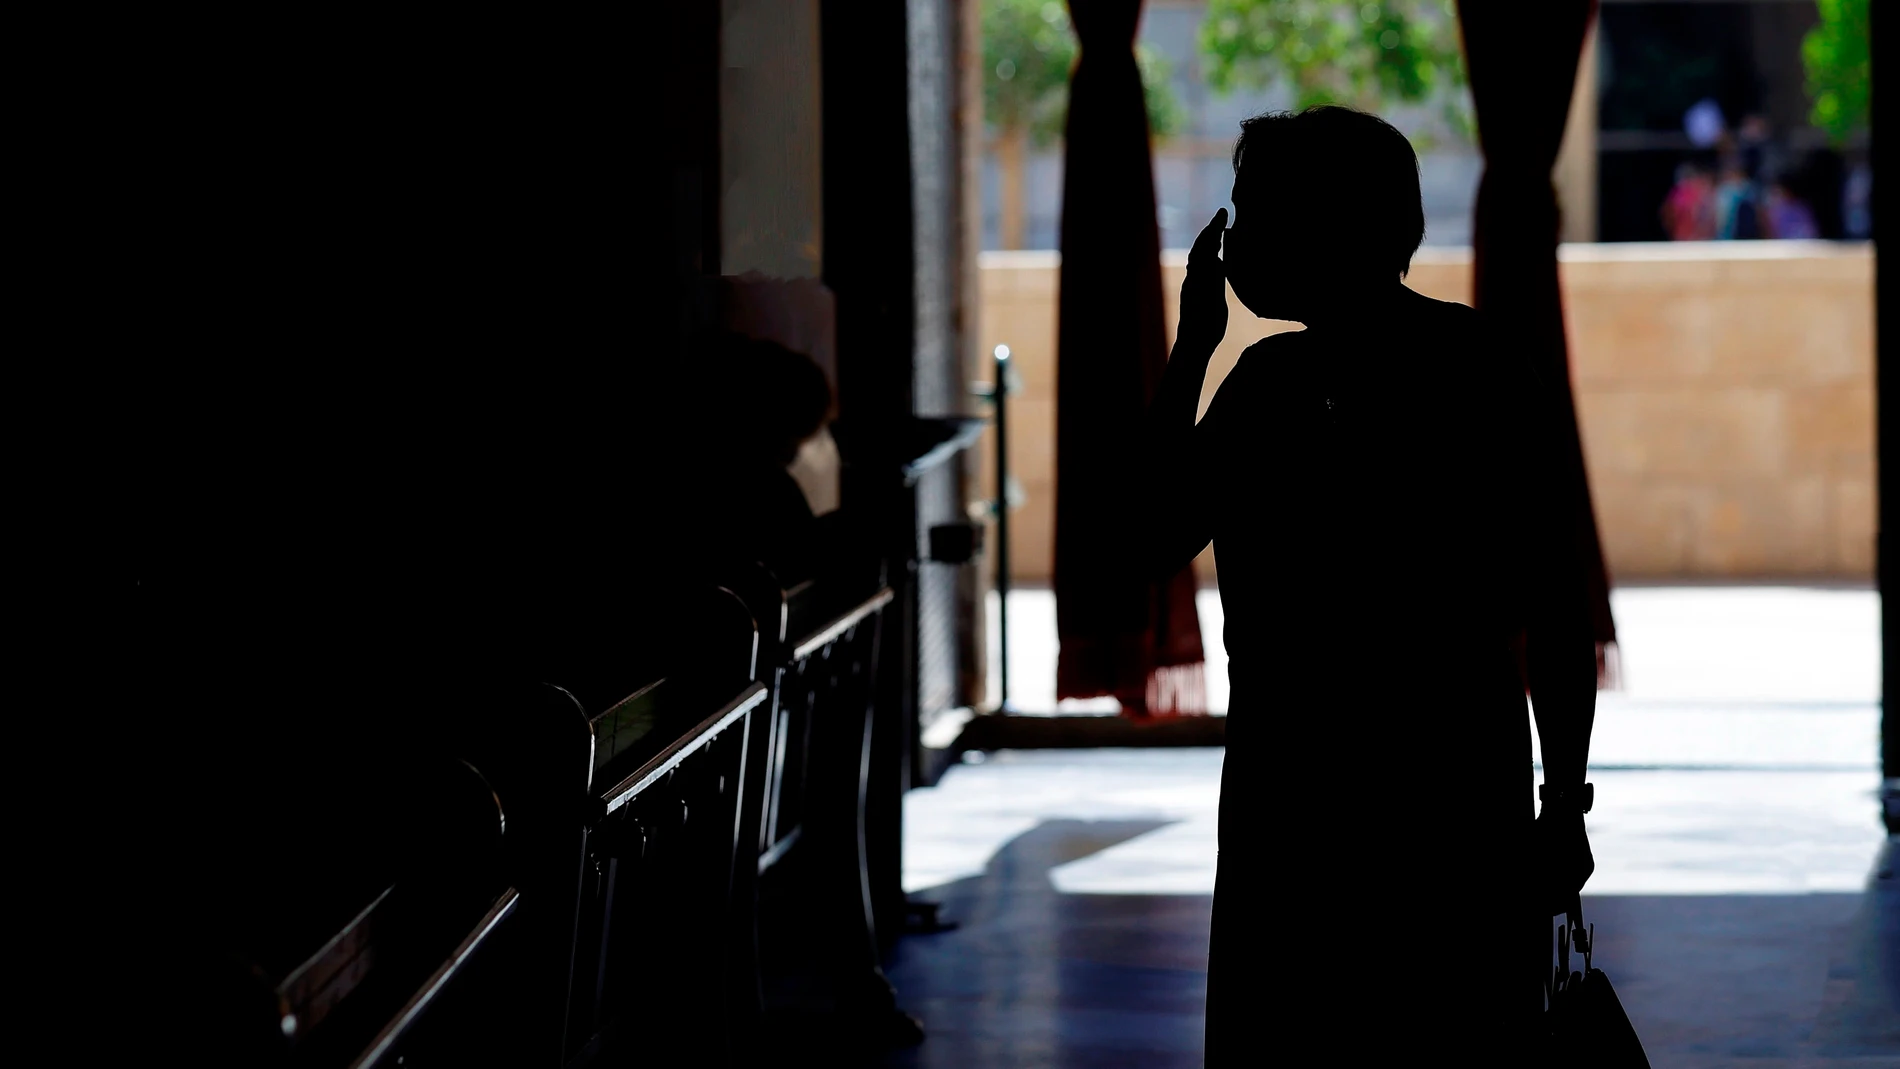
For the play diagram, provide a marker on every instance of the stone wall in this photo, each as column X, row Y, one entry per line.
column 1725, row 392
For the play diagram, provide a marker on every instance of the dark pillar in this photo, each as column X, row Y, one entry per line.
column 1887, row 407
column 892, row 246
column 870, row 265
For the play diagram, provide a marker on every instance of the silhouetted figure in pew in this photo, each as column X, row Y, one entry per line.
column 625, row 537
column 1397, row 564
column 738, row 498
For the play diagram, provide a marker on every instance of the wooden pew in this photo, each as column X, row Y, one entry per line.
column 815, row 947
column 571, row 904
column 650, row 968
column 538, row 744
column 403, row 981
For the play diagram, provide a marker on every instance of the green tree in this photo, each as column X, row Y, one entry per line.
column 1028, row 51
column 1835, row 53
column 1364, row 55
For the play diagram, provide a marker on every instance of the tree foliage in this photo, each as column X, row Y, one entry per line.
column 1836, row 56
column 1165, row 114
column 1029, row 49
column 1364, row 55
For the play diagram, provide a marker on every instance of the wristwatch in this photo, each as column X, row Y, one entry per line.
column 1578, row 798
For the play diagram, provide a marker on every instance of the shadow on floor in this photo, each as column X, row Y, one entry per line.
column 1033, row 977
column 1762, row 981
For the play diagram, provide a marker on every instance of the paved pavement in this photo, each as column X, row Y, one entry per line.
column 1736, row 835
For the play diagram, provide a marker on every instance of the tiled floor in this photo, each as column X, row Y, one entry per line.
column 1735, row 834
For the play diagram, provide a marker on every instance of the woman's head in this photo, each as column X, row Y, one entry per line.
column 1325, row 200
column 777, row 398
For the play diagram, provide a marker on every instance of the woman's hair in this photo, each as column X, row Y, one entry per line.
column 1353, row 175
column 775, row 395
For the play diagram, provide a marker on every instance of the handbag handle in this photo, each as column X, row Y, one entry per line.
column 1584, row 939
column 1571, row 934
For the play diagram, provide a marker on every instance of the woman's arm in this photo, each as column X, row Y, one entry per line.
column 1176, row 521
column 1560, row 643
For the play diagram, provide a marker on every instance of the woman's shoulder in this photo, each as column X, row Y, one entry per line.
column 1283, row 352
column 1431, row 332
column 1279, row 343
column 1450, row 314
column 1457, row 323
column 1276, row 358
column 1462, row 352
column 1263, row 372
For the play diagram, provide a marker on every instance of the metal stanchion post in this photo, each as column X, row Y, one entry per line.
column 1001, row 399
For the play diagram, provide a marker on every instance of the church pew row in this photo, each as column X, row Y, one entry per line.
column 393, row 984
column 815, row 945
column 641, row 881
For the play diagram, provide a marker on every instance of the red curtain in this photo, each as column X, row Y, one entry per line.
column 1123, row 632
column 1522, row 61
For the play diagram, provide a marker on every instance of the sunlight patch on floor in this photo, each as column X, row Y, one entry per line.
column 1740, row 758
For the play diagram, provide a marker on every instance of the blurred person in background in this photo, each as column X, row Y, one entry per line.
column 1788, row 215
column 1857, row 212
column 1737, row 205
column 1756, row 148
column 1689, row 211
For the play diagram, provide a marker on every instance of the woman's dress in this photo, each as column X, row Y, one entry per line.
column 1384, row 519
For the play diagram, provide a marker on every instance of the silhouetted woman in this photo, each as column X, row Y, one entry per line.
column 1396, row 563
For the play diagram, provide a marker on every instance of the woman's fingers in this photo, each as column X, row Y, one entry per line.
column 1204, row 290
column 1207, row 245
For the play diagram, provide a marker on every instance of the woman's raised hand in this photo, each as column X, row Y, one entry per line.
column 1204, row 293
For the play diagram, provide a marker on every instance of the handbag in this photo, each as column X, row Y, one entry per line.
column 1584, row 1019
